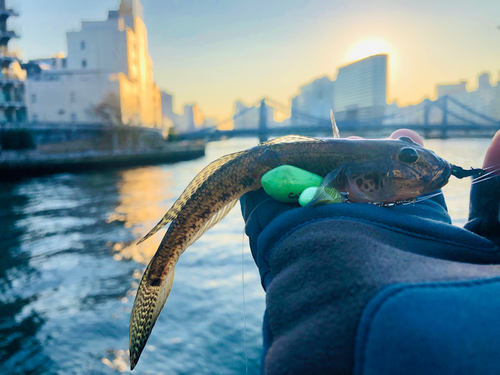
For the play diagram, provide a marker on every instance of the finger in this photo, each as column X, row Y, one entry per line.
column 407, row 133
column 492, row 157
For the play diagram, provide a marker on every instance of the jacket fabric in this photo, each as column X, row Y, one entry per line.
column 358, row 288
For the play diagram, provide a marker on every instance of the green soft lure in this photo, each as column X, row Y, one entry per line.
column 286, row 183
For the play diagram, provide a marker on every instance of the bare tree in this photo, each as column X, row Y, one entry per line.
column 108, row 111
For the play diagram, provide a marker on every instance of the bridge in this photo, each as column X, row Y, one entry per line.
column 443, row 118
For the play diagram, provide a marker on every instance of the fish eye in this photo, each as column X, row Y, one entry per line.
column 408, row 155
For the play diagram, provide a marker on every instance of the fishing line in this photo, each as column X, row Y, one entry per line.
column 461, row 184
column 243, row 282
column 244, row 309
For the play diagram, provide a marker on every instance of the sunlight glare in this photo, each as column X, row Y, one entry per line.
column 368, row 47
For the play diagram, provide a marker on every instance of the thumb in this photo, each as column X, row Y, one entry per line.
column 484, row 212
column 492, row 157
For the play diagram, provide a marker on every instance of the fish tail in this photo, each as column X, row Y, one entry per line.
column 148, row 304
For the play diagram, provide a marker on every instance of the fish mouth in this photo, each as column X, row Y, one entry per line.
column 441, row 177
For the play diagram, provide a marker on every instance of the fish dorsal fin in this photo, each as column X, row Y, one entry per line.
column 219, row 215
column 191, row 188
column 291, row 139
column 336, row 133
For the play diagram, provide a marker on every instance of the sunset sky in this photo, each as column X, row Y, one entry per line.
column 215, row 52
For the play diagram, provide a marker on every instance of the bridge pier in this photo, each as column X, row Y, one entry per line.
column 129, row 141
column 114, row 140
column 427, row 109
column 263, row 133
column 444, row 123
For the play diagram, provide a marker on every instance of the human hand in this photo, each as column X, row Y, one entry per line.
column 484, row 212
column 259, row 209
column 320, row 266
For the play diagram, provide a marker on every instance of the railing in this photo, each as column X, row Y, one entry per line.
column 8, row 34
column 71, row 126
column 13, row 5
column 33, row 155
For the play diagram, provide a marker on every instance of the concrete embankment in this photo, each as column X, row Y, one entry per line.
column 19, row 164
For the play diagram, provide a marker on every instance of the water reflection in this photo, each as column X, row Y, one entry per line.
column 70, row 268
column 144, row 197
column 18, row 325
column 55, row 273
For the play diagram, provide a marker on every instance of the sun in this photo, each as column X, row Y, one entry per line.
column 368, row 47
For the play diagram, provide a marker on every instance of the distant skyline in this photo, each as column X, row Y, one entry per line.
column 216, row 52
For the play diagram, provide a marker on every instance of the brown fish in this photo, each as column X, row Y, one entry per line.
column 369, row 170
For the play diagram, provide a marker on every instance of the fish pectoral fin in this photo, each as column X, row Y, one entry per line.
column 324, row 192
column 291, row 139
column 148, row 304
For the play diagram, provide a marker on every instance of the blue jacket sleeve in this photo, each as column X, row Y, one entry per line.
column 321, row 266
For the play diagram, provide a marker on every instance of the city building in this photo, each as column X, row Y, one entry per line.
column 451, row 89
column 361, row 89
column 12, row 76
column 189, row 121
column 314, row 101
column 462, row 109
column 167, row 106
column 484, row 100
column 107, row 75
column 358, row 93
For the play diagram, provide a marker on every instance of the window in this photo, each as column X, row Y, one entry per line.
column 34, row 117
column 33, row 98
column 84, row 63
column 64, row 63
column 72, row 97
column 73, row 117
column 82, row 45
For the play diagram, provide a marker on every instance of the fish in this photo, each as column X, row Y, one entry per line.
column 367, row 170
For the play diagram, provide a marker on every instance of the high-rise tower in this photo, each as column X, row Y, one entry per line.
column 12, row 103
column 361, row 90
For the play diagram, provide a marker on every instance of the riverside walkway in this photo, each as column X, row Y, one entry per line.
column 18, row 164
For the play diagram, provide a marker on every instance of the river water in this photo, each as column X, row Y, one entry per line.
column 69, row 269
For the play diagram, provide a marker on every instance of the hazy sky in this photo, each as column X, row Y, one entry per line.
column 214, row 52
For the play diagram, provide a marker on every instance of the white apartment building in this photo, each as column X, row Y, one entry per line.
column 108, row 68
